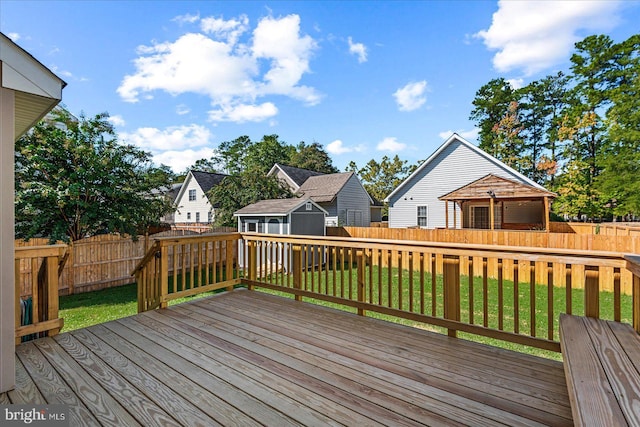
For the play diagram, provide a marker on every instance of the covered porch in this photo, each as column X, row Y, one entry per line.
column 495, row 203
column 249, row 358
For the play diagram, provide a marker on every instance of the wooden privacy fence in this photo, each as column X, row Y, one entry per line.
column 98, row 262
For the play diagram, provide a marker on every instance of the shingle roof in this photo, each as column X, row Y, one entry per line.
column 324, row 188
column 299, row 176
column 207, row 180
column 272, row 207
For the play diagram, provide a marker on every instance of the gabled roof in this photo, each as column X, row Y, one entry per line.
column 495, row 186
column 37, row 89
column 207, row 180
column 324, row 188
column 275, row 207
column 457, row 138
column 297, row 175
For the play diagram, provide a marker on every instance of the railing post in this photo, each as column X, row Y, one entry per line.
column 164, row 275
column 636, row 303
column 451, row 283
column 297, row 268
column 52, row 291
column 592, row 293
column 361, row 281
column 252, row 261
column 229, row 262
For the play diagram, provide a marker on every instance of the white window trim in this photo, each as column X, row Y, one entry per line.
column 418, row 216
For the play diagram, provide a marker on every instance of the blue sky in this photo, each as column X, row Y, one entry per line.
column 363, row 78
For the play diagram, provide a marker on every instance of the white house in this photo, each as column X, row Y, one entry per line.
column 340, row 194
column 419, row 201
column 28, row 91
column 192, row 204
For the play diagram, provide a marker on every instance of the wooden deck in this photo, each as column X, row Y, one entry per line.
column 247, row 358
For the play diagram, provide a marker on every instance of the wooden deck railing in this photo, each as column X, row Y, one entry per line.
column 179, row 267
column 514, row 294
column 48, row 261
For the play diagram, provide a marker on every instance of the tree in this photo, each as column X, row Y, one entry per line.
column 312, row 157
column 380, row 179
column 490, row 105
column 508, row 142
column 238, row 191
column 74, row 179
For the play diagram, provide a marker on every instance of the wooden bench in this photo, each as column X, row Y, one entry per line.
column 602, row 368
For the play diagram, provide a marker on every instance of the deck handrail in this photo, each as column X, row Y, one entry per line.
column 510, row 293
column 46, row 266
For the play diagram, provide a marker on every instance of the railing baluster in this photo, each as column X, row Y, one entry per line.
column 592, row 293
column 550, row 311
column 485, row 292
column 568, row 289
column 500, row 296
column 617, row 311
column 532, row 297
column 516, row 297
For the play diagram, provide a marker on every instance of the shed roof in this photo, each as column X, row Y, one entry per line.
column 495, row 186
column 275, row 207
column 324, row 188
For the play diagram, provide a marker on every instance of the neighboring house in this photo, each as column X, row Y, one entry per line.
column 420, row 200
column 340, row 194
column 170, row 193
column 192, row 204
column 28, row 91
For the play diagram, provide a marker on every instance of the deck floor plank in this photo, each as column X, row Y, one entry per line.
column 308, row 358
column 252, row 359
column 53, row 387
column 147, row 412
column 237, row 362
column 26, row 391
column 103, row 406
column 486, row 392
column 185, row 412
column 279, row 362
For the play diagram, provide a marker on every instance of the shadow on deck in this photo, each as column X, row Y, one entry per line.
column 248, row 358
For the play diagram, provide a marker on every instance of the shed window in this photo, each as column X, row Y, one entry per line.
column 192, row 195
column 423, row 217
column 308, row 206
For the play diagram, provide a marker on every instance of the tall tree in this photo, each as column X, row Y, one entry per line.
column 490, row 104
column 312, row 157
column 381, row 178
column 508, row 140
column 74, row 179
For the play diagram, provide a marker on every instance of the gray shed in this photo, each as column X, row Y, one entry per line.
column 284, row 217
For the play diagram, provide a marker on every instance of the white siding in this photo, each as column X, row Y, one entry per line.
column 353, row 202
column 455, row 166
column 201, row 204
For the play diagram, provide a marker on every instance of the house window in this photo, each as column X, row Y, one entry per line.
column 188, row 215
column 192, row 195
column 210, row 216
column 197, row 216
column 423, row 218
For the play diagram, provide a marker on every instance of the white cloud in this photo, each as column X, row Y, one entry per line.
column 391, row 144
column 232, row 74
column 172, row 138
column 358, row 49
column 411, row 96
column 181, row 160
column 243, row 113
column 187, row 18
column 337, row 147
column 516, row 83
column 14, row 36
column 182, row 109
column 117, row 120
column 466, row 134
column 534, row 35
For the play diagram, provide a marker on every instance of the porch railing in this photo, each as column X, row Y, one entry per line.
column 180, row 267
column 514, row 294
column 46, row 264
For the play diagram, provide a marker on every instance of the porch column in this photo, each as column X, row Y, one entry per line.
column 446, row 214
column 455, row 222
column 7, row 216
column 491, row 214
column 546, row 214
column 461, row 215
